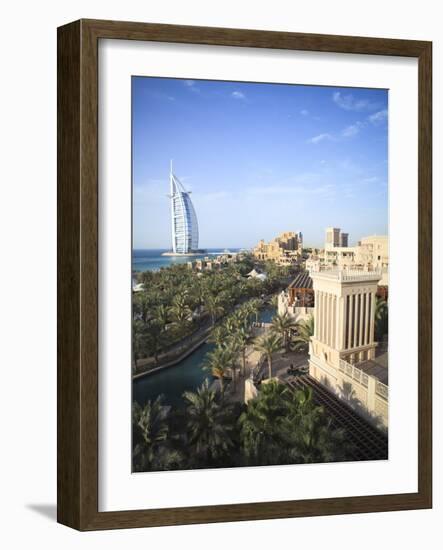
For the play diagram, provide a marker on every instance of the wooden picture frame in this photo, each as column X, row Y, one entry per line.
column 78, row 273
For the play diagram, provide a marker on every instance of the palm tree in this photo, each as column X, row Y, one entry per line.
column 161, row 315
column 227, row 295
column 141, row 305
column 308, row 432
column 152, row 450
column 138, row 340
column 274, row 301
column 197, row 297
column 255, row 307
column 254, row 286
column 242, row 338
column 381, row 318
column 218, row 335
column 260, row 425
column 243, row 315
column 232, row 324
column 153, row 338
column 154, row 295
column 283, row 426
column 214, row 307
column 232, row 350
column 268, row 344
column 217, row 363
column 180, row 312
column 282, row 324
column 146, row 278
column 305, row 329
column 207, row 426
column 240, row 286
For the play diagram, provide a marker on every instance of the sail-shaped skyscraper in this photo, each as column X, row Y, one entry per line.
column 184, row 219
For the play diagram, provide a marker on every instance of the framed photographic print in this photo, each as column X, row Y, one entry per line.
column 244, row 275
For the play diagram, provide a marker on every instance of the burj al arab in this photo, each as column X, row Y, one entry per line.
column 184, row 224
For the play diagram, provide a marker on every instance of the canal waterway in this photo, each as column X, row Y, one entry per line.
column 186, row 375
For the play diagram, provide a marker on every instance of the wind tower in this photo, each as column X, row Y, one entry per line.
column 342, row 351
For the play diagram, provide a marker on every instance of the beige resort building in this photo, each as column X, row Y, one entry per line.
column 336, row 251
column 286, row 249
column 370, row 253
column 373, row 251
column 343, row 355
column 339, row 288
column 213, row 263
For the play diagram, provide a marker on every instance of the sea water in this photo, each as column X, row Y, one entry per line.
column 152, row 259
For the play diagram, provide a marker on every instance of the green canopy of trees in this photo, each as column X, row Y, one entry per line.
column 175, row 302
column 280, row 426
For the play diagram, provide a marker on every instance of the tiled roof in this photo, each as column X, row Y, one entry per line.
column 303, row 280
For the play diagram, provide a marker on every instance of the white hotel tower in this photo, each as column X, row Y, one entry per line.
column 183, row 218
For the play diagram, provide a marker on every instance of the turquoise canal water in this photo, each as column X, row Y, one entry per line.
column 187, row 375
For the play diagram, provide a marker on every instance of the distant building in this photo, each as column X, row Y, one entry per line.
column 344, row 239
column 300, row 240
column 343, row 354
column 371, row 253
column 332, row 237
column 211, row 263
column 286, row 249
column 335, row 238
column 313, row 263
column 339, row 256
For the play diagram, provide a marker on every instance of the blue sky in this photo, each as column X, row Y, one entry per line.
column 259, row 159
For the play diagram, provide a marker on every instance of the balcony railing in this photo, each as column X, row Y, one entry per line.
column 347, row 275
column 356, row 374
column 381, row 390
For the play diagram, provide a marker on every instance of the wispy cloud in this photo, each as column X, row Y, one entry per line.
column 304, row 112
column 190, row 84
column 353, row 129
column 379, row 117
column 349, row 103
column 238, row 95
column 320, row 138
